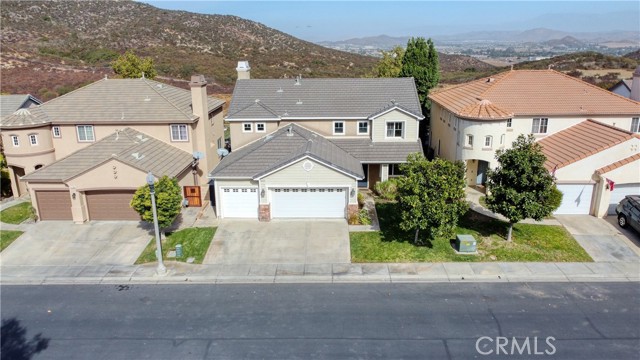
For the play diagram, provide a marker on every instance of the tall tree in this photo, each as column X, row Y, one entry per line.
column 420, row 61
column 130, row 66
column 521, row 187
column 168, row 201
column 431, row 196
column 391, row 63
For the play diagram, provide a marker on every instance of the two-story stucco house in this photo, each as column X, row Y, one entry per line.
column 303, row 147
column 82, row 155
column 469, row 122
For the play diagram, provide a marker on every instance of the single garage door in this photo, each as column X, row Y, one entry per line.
column 576, row 199
column 111, row 205
column 619, row 192
column 239, row 202
column 308, row 203
column 54, row 205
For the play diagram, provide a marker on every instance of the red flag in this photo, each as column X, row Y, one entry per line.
column 610, row 184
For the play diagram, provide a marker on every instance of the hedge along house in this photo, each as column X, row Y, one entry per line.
column 82, row 155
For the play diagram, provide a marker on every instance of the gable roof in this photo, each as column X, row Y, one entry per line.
column 378, row 152
column 10, row 103
column 322, row 98
column 283, row 147
column 118, row 101
column 580, row 141
column 619, row 164
column 534, row 92
column 626, row 83
column 128, row 146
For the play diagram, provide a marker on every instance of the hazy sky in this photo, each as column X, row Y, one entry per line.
column 339, row 20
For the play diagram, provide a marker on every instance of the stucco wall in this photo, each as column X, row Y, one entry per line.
column 380, row 128
column 111, row 175
column 240, row 138
column 582, row 171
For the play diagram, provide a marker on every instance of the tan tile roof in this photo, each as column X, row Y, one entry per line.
column 580, row 141
column 129, row 146
column 535, row 92
column 484, row 109
column 618, row 164
column 117, row 101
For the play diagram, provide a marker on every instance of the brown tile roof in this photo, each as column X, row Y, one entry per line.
column 617, row 164
column 535, row 92
column 580, row 141
column 484, row 109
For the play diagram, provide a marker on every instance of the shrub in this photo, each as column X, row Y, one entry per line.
column 360, row 199
column 388, row 190
column 354, row 219
column 363, row 217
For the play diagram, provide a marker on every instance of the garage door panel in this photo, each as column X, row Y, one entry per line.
column 239, row 202
column 308, row 203
column 54, row 205
column 111, row 205
column 619, row 192
column 576, row 199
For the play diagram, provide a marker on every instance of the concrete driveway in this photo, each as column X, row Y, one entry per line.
column 280, row 242
column 64, row 243
column 600, row 239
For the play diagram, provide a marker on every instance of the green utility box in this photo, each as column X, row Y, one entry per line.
column 466, row 244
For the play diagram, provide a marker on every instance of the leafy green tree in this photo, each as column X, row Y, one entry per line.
column 168, row 201
column 431, row 196
column 391, row 63
column 130, row 66
column 420, row 61
column 521, row 187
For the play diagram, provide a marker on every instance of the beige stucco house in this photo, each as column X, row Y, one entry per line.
column 469, row 122
column 303, row 147
column 82, row 155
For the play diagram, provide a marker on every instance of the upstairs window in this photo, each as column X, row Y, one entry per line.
column 395, row 129
column 488, row 141
column 468, row 141
column 338, row 128
column 508, row 123
column 635, row 125
column 33, row 139
column 85, row 133
column 179, row 132
column 247, row 127
column 15, row 140
column 56, row 132
column 363, row 127
column 261, row 127
column 539, row 125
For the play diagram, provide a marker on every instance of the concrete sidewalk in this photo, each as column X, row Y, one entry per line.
column 323, row 273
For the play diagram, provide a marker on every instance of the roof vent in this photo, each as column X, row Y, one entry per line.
column 298, row 80
column 159, row 86
column 393, row 101
column 299, row 102
column 122, row 116
column 267, row 138
column 22, row 112
column 137, row 156
column 490, row 80
column 280, row 90
column 257, row 100
column 141, row 138
column 147, row 98
column 289, row 131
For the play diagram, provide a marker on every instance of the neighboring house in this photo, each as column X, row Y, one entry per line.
column 11, row 103
column 469, row 122
column 625, row 87
column 595, row 166
column 82, row 155
column 303, row 147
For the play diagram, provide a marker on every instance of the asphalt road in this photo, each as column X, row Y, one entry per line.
column 377, row 321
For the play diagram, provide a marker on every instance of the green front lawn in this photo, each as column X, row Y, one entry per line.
column 530, row 242
column 7, row 237
column 195, row 243
column 16, row 214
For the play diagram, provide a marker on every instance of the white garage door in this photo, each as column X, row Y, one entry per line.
column 576, row 198
column 619, row 192
column 239, row 202
column 308, row 203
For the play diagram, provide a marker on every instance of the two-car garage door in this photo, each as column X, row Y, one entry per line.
column 102, row 205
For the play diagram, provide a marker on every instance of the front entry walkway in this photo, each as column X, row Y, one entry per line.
column 280, row 242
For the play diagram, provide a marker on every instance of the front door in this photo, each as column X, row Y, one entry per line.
column 364, row 182
column 481, row 177
column 192, row 194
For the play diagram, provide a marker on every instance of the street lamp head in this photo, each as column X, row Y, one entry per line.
column 150, row 178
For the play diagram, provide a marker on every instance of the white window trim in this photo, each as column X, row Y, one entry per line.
column 502, row 139
column 386, row 127
column 15, row 141
column 35, row 137
column 363, row 133
column 637, row 125
column 56, row 129
column 490, row 142
column 509, row 123
column 250, row 127
column 344, row 128
column 186, row 128
column 466, row 141
column 92, row 132
column 540, row 119
column 264, row 127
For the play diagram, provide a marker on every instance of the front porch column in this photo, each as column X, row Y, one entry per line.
column 384, row 172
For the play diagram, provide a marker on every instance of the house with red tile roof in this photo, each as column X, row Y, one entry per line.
column 469, row 122
column 595, row 165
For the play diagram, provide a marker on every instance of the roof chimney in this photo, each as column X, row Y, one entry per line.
column 244, row 70
column 199, row 105
column 635, row 85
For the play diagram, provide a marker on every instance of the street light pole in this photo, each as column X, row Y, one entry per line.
column 161, row 270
